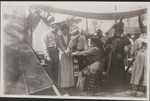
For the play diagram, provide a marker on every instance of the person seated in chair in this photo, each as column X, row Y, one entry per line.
column 95, row 66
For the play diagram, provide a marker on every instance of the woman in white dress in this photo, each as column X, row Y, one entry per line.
column 66, row 72
column 139, row 73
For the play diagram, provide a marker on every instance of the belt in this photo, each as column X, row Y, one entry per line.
column 52, row 47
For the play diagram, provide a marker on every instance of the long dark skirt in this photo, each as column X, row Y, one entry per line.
column 117, row 70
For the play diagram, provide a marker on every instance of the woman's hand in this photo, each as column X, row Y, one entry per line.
column 68, row 51
column 48, row 58
column 75, row 53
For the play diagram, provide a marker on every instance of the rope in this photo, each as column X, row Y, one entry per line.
column 23, row 72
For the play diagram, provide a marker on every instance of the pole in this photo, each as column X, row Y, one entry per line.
column 87, row 25
column 115, row 11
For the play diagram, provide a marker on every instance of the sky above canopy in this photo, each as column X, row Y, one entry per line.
column 98, row 7
column 101, row 7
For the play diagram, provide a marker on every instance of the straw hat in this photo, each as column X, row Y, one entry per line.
column 75, row 33
column 144, row 38
column 55, row 22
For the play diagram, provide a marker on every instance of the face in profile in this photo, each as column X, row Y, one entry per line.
column 65, row 31
column 55, row 27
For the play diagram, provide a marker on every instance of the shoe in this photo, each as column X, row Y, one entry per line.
column 140, row 94
column 133, row 93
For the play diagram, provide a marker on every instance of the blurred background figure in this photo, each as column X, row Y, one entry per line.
column 136, row 36
column 100, row 36
column 105, row 38
column 127, row 49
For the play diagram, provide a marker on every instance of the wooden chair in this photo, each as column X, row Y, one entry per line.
column 92, row 82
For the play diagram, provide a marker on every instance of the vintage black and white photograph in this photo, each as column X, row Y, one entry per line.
column 75, row 49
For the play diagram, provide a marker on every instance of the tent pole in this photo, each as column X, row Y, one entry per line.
column 87, row 25
column 115, row 11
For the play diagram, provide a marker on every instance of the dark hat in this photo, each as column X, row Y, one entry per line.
column 119, row 27
column 99, row 31
column 64, row 26
column 95, row 39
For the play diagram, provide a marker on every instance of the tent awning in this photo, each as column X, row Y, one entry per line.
column 98, row 16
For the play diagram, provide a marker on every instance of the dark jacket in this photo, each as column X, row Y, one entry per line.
column 95, row 58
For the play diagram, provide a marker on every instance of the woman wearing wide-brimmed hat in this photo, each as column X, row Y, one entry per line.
column 66, row 72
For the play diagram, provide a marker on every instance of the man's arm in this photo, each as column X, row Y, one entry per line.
column 85, row 42
column 89, row 52
column 135, row 47
column 44, row 45
column 59, row 43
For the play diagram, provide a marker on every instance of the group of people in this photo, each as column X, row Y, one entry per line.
column 96, row 55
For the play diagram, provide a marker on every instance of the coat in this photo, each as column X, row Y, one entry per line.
column 117, row 67
column 95, row 66
column 95, row 58
column 66, row 71
column 139, row 72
